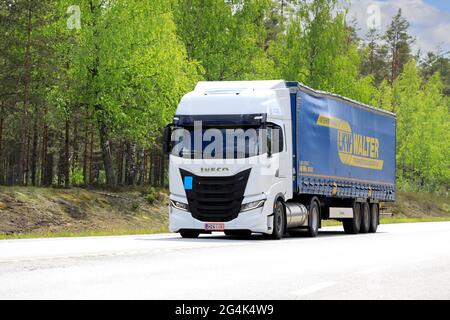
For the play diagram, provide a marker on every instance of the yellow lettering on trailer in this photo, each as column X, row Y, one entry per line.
column 354, row 149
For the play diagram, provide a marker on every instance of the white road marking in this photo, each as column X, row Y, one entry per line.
column 313, row 288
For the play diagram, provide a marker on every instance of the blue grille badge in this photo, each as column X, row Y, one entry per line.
column 188, row 183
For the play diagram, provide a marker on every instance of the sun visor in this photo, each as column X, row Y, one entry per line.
column 225, row 120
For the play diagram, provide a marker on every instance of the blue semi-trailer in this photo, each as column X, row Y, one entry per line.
column 272, row 156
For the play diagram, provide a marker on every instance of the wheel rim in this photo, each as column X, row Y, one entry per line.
column 279, row 219
column 314, row 219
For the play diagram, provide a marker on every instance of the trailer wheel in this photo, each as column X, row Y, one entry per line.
column 365, row 218
column 374, row 217
column 313, row 219
column 279, row 221
column 189, row 234
column 352, row 226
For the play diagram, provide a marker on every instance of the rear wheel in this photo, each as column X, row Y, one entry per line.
column 189, row 234
column 365, row 218
column 313, row 219
column 374, row 217
column 352, row 226
column 279, row 221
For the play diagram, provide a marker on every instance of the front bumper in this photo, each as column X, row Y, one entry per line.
column 254, row 220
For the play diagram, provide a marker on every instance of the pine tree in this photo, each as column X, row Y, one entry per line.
column 437, row 62
column 399, row 44
column 375, row 57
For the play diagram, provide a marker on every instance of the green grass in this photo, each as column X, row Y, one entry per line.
column 69, row 234
column 389, row 220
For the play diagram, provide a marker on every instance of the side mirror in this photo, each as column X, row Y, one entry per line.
column 167, row 136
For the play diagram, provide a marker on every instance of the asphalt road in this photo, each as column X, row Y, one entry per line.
column 401, row 261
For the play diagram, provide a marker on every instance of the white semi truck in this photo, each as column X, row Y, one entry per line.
column 270, row 156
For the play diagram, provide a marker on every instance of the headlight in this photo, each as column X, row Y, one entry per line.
column 252, row 205
column 179, row 205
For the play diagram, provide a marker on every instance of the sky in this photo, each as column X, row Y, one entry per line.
column 429, row 19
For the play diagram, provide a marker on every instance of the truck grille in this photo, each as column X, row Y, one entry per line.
column 216, row 199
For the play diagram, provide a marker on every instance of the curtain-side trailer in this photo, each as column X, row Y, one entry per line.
column 272, row 156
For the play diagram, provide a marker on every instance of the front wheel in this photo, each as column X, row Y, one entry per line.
column 279, row 221
column 313, row 219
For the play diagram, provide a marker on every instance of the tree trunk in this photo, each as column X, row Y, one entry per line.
column 161, row 167
column 145, row 165
column 49, row 169
column 61, row 162
column 2, row 171
column 154, row 166
column 85, row 155
column 27, row 157
column 1, row 144
column 105, row 146
column 120, row 157
column 91, row 158
column 141, row 165
column 130, row 163
column 34, row 151
column 48, row 181
column 67, row 156
column 75, row 147
column 44, row 152
column 26, row 99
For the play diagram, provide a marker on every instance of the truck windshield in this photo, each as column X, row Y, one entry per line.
column 217, row 143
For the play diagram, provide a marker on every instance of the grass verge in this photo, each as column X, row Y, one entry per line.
column 326, row 223
column 389, row 220
column 68, row 234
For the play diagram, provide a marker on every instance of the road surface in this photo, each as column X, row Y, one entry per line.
column 401, row 261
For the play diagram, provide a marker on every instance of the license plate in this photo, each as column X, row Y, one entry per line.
column 214, row 226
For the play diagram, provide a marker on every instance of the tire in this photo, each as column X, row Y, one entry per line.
column 374, row 217
column 238, row 233
column 313, row 219
column 279, row 221
column 189, row 234
column 352, row 226
column 365, row 218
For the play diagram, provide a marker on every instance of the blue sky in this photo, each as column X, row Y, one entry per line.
column 429, row 19
column 441, row 4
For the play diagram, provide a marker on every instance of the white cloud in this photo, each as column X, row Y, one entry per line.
column 429, row 25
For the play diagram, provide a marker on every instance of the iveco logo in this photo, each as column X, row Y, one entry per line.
column 214, row 169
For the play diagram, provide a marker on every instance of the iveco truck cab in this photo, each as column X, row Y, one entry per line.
column 270, row 156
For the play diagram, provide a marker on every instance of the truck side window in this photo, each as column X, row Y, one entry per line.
column 275, row 138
